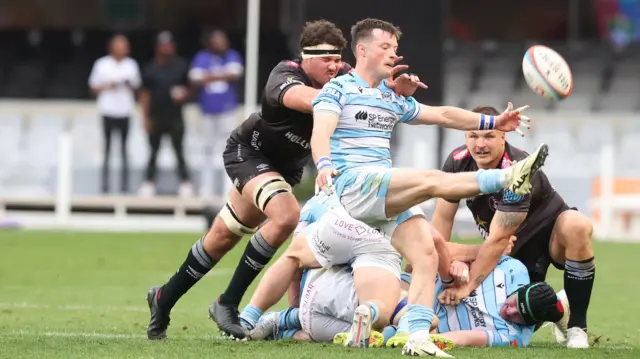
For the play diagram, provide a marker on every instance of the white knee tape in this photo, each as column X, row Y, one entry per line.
column 231, row 220
column 269, row 188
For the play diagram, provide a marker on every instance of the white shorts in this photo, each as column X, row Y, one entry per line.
column 337, row 239
column 327, row 302
column 363, row 193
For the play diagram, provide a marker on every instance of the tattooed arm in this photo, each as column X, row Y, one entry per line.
column 503, row 226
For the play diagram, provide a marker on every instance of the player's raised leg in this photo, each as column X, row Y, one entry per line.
column 271, row 194
column 237, row 218
column 408, row 188
column 570, row 245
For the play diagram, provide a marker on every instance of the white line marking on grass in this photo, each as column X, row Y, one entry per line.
column 31, row 333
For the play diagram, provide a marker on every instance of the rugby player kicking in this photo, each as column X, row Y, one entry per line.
column 354, row 116
column 264, row 157
column 548, row 230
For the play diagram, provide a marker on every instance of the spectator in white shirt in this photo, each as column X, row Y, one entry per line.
column 114, row 79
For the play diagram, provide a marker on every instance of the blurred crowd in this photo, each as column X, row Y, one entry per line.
column 161, row 87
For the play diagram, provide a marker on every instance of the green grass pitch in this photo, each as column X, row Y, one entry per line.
column 81, row 295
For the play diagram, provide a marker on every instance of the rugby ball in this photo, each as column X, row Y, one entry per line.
column 547, row 73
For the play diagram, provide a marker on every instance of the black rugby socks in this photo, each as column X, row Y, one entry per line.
column 197, row 264
column 578, row 283
column 257, row 254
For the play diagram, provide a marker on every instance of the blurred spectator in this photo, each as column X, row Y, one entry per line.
column 114, row 79
column 214, row 71
column 164, row 91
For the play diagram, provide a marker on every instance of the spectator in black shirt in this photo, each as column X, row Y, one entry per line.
column 164, row 91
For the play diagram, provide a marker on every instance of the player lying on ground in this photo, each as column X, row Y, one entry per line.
column 548, row 230
column 328, row 236
column 326, row 307
column 354, row 116
column 503, row 310
column 264, row 157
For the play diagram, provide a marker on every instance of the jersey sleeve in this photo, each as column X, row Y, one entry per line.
column 411, row 110
column 520, row 337
column 511, row 202
column 233, row 63
column 95, row 78
column 199, row 67
column 332, row 98
column 516, row 273
column 283, row 77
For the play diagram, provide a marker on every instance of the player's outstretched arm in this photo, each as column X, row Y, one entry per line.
column 461, row 119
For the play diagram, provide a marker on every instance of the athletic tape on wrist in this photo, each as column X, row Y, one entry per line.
column 450, row 281
column 323, row 162
column 487, row 122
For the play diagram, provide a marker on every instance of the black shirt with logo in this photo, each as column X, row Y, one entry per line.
column 280, row 133
column 159, row 79
column 542, row 205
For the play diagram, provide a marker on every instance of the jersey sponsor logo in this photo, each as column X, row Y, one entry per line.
column 462, row 154
column 299, row 140
column 361, row 115
column 333, row 94
column 510, row 197
column 290, row 81
column 262, row 167
column 476, row 313
column 255, row 142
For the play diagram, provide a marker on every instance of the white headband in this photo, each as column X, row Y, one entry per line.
column 321, row 50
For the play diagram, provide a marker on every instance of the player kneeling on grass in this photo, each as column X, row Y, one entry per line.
column 502, row 311
column 324, row 310
column 328, row 236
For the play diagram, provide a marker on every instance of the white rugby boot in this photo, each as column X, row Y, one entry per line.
column 420, row 344
column 577, row 338
column 361, row 327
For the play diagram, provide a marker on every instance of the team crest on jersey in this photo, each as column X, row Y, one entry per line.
column 506, row 161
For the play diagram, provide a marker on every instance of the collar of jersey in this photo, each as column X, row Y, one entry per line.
column 363, row 83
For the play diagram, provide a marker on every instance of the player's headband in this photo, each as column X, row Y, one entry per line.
column 321, row 50
column 537, row 303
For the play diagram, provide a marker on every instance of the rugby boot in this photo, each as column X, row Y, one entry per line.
column 520, row 173
column 376, row 339
column 157, row 328
column 443, row 343
column 577, row 338
column 266, row 328
column 398, row 340
column 360, row 327
column 422, row 345
column 227, row 319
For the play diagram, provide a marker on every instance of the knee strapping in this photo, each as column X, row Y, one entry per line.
column 269, row 188
column 233, row 223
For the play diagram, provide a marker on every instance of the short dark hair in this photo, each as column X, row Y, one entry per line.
column 486, row 110
column 363, row 29
column 322, row 32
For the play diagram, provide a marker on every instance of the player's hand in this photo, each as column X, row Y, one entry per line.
column 460, row 272
column 406, row 85
column 453, row 295
column 509, row 248
column 511, row 120
column 324, row 181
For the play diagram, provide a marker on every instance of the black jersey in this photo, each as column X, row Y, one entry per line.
column 542, row 205
column 280, row 133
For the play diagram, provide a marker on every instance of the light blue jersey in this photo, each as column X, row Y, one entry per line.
column 481, row 310
column 367, row 118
